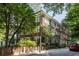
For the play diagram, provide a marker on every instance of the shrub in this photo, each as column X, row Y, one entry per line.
column 26, row 43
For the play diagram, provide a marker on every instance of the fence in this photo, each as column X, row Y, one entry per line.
column 18, row 50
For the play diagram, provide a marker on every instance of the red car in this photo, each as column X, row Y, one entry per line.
column 74, row 47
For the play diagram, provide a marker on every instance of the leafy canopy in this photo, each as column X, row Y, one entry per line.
column 72, row 20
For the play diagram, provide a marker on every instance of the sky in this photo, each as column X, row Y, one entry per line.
column 59, row 17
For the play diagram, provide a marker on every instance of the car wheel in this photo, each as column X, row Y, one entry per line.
column 70, row 50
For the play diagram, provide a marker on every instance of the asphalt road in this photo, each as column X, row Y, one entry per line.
column 62, row 52
column 57, row 52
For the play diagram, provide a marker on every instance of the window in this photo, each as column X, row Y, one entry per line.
column 45, row 21
column 37, row 19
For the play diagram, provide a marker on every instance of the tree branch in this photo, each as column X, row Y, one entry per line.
column 21, row 25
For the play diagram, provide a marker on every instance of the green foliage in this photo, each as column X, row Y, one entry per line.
column 12, row 15
column 48, row 31
column 26, row 42
column 56, row 8
column 72, row 20
column 2, row 35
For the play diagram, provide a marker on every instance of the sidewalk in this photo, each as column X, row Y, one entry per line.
column 39, row 53
column 33, row 53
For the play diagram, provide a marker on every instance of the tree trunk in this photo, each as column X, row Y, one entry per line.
column 17, row 33
column 16, row 30
column 7, row 16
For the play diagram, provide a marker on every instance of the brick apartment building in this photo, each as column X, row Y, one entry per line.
column 59, row 32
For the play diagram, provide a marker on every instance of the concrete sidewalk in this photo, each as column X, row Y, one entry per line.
column 43, row 52
column 34, row 53
column 31, row 53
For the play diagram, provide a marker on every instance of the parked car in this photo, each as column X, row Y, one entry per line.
column 74, row 47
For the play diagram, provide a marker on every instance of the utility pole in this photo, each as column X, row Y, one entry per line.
column 40, row 31
column 40, row 45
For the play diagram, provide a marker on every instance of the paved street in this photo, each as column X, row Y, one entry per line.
column 62, row 52
column 57, row 52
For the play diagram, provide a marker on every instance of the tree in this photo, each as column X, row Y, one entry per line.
column 14, row 16
column 72, row 20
